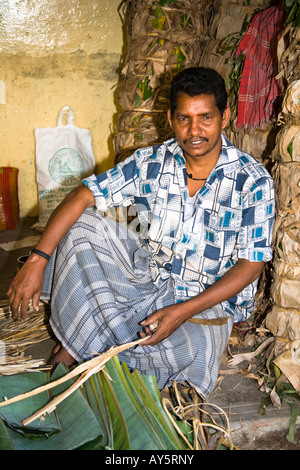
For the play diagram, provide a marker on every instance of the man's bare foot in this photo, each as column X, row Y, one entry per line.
column 61, row 355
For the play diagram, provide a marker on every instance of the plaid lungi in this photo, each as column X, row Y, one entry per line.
column 100, row 287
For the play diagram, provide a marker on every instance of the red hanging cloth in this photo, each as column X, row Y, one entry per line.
column 259, row 88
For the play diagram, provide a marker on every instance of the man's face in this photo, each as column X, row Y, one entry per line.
column 197, row 123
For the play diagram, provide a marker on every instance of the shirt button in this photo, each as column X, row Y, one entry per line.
column 168, row 267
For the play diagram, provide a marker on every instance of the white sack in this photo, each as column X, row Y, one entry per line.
column 64, row 156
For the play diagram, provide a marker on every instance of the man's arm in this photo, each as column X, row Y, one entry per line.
column 234, row 281
column 28, row 283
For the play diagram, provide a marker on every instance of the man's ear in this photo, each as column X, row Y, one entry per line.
column 169, row 115
column 226, row 117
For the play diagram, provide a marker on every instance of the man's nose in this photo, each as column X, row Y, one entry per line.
column 195, row 127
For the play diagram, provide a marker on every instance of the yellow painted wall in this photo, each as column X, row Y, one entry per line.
column 55, row 53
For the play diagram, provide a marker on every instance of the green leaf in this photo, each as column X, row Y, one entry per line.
column 263, row 406
column 163, row 3
column 145, row 388
column 77, row 423
column 141, row 431
column 121, row 439
column 293, row 7
column 185, row 20
column 290, row 150
column 13, row 414
column 93, row 390
column 292, row 426
column 159, row 21
column 114, row 409
column 5, row 439
column 137, row 101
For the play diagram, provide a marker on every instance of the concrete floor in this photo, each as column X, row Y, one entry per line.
column 238, row 396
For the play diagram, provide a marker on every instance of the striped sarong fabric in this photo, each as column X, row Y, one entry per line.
column 100, row 286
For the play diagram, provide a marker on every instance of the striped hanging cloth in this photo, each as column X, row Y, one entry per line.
column 259, row 88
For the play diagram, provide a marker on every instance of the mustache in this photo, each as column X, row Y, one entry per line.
column 195, row 139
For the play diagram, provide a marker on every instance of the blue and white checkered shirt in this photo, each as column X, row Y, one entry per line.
column 233, row 217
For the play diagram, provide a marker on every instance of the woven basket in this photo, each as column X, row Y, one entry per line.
column 9, row 201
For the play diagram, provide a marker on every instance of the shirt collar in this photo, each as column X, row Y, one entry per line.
column 227, row 160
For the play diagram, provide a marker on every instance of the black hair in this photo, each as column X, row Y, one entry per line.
column 197, row 81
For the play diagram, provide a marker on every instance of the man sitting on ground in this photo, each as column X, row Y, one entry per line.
column 205, row 211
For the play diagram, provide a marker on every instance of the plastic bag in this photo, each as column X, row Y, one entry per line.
column 64, row 156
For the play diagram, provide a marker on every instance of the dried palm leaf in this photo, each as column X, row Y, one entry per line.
column 237, row 359
column 18, row 334
column 202, row 425
column 22, row 365
column 284, row 322
column 164, row 37
column 16, row 337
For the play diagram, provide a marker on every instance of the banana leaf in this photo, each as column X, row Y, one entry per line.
column 5, row 439
column 140, row 401
column 13, row 414
column 72, row 425
column 147, row 392
column 116, row 397
column 120, row 434
column 94, row 393
column 113, row 409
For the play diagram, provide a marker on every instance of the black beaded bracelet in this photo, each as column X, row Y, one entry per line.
column 41, row 253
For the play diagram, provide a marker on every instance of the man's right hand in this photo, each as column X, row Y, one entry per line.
column 27, row 285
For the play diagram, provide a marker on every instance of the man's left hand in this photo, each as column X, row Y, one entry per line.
column 162, row 324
